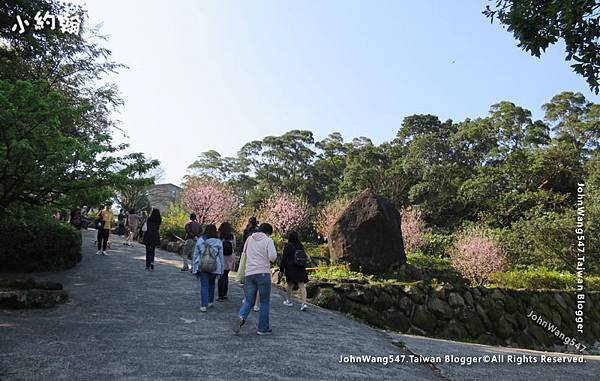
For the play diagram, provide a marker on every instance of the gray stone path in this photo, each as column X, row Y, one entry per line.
column 125, row 323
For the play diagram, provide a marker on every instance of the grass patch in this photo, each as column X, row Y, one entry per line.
column 335, row 272
column 428, row 262
column 541, row 278
column 534, row 278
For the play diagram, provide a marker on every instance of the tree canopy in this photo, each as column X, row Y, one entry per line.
column 537, row 24
column 57, row 115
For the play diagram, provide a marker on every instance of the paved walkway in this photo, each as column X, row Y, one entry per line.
column 512, row 363
column 125, row 323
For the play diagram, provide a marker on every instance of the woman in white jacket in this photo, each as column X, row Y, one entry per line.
column 260, row 252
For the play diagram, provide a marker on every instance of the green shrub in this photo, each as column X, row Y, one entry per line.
column 542, row 278
column 173, row 222
column 428, row 262
column 436, row 244
column 46, row 245
column 546, row 240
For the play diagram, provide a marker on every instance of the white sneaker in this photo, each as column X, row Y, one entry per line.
column 256, row 308
column 288, row 303
column 210, row 305
column 104, row 253
column 303, row 307
column 202, row 309
column 99, row 252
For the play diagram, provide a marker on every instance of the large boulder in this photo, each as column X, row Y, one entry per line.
column 367, row 235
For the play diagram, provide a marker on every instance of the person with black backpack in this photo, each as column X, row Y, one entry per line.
column 228, row 240
column 208, row 262
column 293, row 267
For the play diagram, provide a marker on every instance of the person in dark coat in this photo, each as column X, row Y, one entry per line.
column 295, row 276
column 251, row 228
column 152, row 237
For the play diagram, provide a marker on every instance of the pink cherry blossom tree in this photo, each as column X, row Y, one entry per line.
column 284, row 212
column 212, row 202
column 476, row 254
column 413, row 228
column 329, row 214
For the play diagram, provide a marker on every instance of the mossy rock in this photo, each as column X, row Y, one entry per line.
column 540, row 335
column 560, row 300
column 495, row 312
column 565, row 315
column 489, row 339
column 523, row 321
column 503, row 329
column 454, row 330
column 510, row 305
column 468, row 298
column 396, row 320
column 382, row 301
column 360, row 295
column 327, row 298
column 474, row 325
column 344, row 287
column 312, row 288
column 365, row 313
column 556, row 318
column 484, row 317
column 521, row 339
column 424, row 319
column 455, row 300
column 440, row 308
column 512, row 320
column 394, row 290
column 497, row 294
column 415, row 293
column 406, row 305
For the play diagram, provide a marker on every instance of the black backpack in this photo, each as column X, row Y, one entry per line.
column 300, row 258
column 227, row 248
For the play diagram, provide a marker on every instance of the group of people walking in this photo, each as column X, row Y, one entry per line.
column 127, row 224
column 212, row 253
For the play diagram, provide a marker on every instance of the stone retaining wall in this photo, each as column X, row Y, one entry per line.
column 488, row 316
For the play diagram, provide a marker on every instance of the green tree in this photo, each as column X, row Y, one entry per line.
column 537, row 24
column 574, row 120
column 56, row 115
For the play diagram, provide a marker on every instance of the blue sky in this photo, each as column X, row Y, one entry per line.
column 216, row 74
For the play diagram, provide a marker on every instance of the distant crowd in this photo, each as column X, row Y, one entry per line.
column 212, row 254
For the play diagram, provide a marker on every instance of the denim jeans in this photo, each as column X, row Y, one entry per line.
column 262, row 284
column 207, row 288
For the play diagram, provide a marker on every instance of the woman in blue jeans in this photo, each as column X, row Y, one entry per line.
column 260, row 252
column 208, row 262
